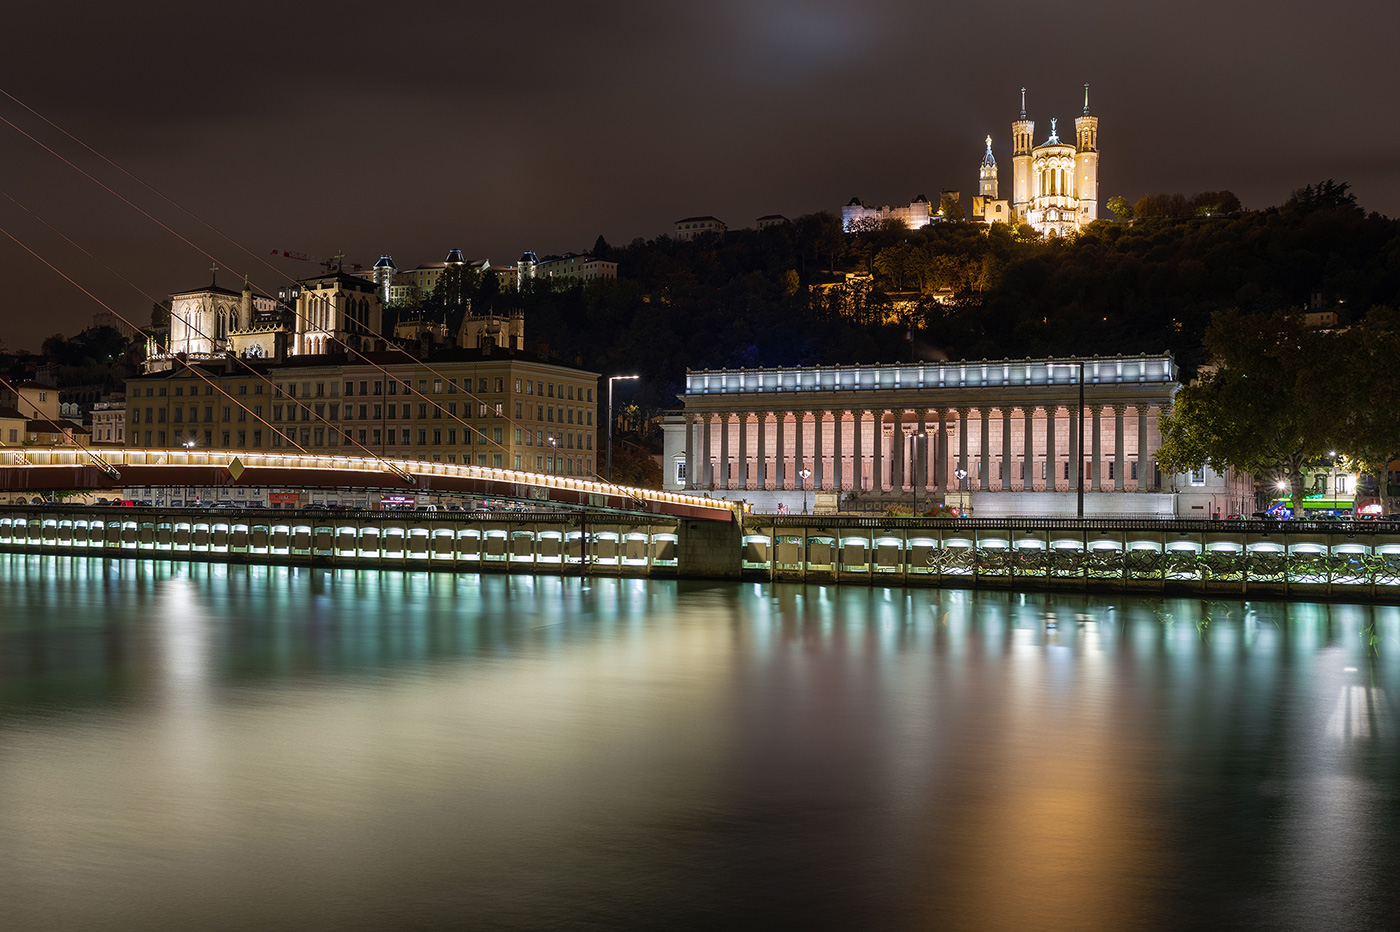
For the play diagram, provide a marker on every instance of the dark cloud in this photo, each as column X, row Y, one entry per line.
column 415, row 128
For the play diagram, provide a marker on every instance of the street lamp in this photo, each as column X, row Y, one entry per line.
column 962, row 499
column 804, row 475
column 611, row 380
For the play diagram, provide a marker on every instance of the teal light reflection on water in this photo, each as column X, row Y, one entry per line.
column 230, row 747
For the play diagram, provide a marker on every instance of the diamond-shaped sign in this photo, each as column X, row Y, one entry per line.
column 235, row 468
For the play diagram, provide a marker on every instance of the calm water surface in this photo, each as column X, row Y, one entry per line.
column 202, row 747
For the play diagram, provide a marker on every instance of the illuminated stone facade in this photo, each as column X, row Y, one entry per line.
column 1056, row 184
column 994, row 436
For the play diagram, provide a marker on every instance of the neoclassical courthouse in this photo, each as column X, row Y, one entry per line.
column 995, row 436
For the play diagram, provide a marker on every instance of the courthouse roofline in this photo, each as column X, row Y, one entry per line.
column 977, row 383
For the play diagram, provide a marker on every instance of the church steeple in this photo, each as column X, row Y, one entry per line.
column 987, row 177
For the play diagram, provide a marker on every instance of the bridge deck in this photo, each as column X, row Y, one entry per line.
column 41, row 470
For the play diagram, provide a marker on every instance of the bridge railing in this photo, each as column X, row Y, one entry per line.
column 1188, row 525
column 38, row 457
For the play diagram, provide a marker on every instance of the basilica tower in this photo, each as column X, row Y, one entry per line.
column 1086, row 163
column 987, row 177
column 1022, row 141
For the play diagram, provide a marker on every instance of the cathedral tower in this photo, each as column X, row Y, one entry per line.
column 1022, row 140
column 1086, row 162
column 987, row 177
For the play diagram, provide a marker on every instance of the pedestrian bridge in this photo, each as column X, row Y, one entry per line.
column 40, row 471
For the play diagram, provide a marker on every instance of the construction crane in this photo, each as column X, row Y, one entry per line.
column 335, row 262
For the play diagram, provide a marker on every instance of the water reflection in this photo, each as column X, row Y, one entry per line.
column 233, row 747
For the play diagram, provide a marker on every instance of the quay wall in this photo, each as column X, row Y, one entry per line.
column 1352, row 561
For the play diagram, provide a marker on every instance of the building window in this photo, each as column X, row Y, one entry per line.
column 1198, row 476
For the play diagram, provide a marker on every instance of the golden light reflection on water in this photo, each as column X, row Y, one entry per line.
column 241, row 747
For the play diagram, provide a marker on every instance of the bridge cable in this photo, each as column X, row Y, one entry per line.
column 390, row 342
column 242, row 362
column 98, row 461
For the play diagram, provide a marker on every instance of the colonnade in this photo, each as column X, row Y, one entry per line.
column 1019, row 448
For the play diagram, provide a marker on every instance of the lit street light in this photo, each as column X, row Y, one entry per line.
column 804, row 475
column 611, row 380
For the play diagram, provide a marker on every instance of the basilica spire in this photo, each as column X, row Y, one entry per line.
column 1023, row 102
column 1086, row 98
column 988, row 160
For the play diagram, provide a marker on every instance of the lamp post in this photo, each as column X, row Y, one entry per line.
column 920, row 439
column 611, row 380
column 1079, row 444
column 804, row 475
column 962, row 498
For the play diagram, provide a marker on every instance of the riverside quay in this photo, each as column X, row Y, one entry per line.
column 1349, row 560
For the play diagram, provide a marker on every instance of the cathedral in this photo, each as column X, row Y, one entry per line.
column 1055, row 185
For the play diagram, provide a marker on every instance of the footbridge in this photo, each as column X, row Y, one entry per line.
column 41, row 472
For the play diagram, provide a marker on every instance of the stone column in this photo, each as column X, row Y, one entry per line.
column 818, row 451
column 780, row 451
column 938, row 450
column 857, row 444
column 761, row 461
column 1076, row 462
column 691, row 439
column 963, row 461
column 1028, row 451
column 1006, row 448
column 1096, row 474
column 897, row 452
column 707, row 477
column 1120, row 467
column 877, row 452
column 743, row 450
column 918, row 463
column 1052, row 472
column 1144, row 460
column 798, row 460
column 723, row 482
column 837, row 452
column 984, row 446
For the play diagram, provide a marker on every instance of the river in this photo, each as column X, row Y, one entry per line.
column 192, row 746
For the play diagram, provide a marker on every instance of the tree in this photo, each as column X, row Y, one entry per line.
column 1325, row 195
column 949, row 207
column 1120, row 207
column 1261, row 406
column 1369, row 402
column 160, row 314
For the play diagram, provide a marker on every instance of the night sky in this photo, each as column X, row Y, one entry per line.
column 416, row 128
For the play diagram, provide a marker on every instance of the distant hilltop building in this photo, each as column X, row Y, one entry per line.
column 1055, row 185
column 770, row 220
column 406, row 287
column 570, row 267
column 690, row 227
column 857, row 214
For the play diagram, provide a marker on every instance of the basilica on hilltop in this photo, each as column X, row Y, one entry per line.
column 1055, row 184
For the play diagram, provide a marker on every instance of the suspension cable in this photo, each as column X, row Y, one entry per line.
column 388, row 464
column 389, row 342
